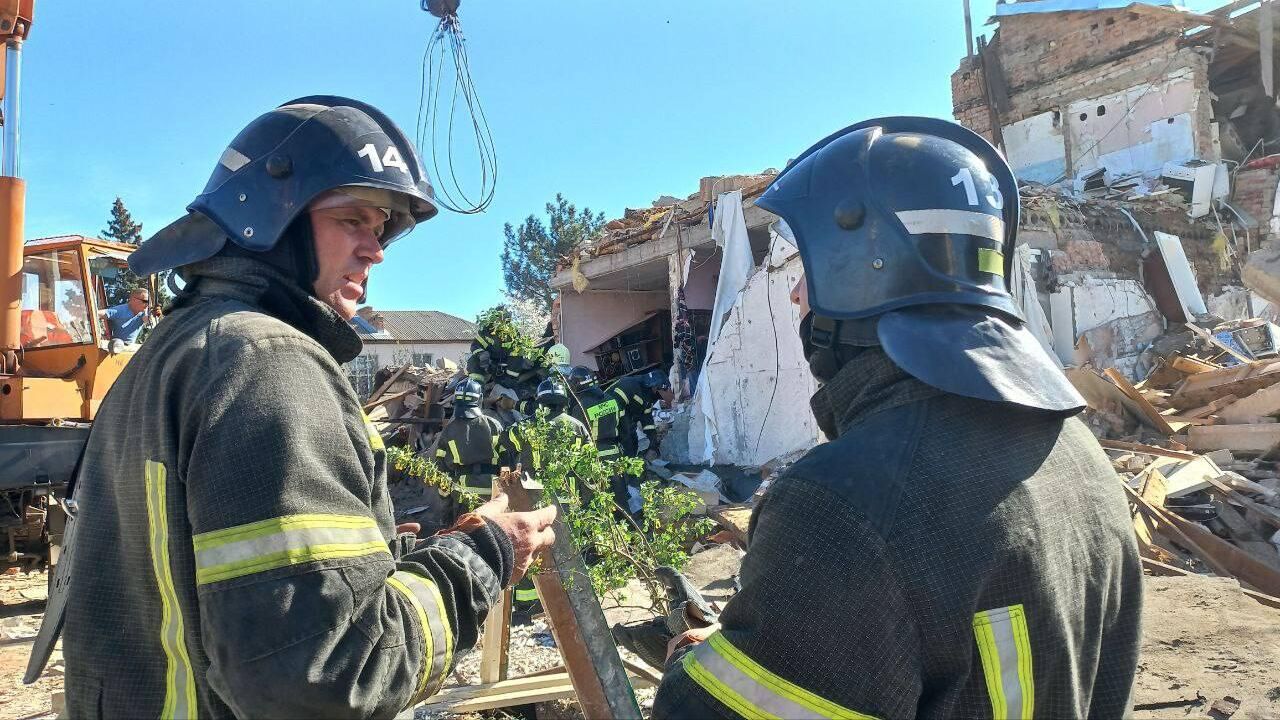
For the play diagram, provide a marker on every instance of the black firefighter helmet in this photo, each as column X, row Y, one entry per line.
column 906, row 227
column 581, row 378
column 279, row 164
column 552, row 395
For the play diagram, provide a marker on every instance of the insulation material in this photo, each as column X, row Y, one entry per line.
column 1023, row 288
column 1137, row 130
column 745, row 410
column 1037, row 148
column 1180, row 272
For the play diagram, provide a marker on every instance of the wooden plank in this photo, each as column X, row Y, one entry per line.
column 506, row 693
column 1191, row 366
column 1211, row 408
column 383, row 387
column 1156, row 567
column 1238, row 563
column 497, row 631
column 577, row 623
column 1268, row 514
column 1236, row 438
column 1154, row 487
column 389, row 398
column 1263, row 402
column 1183, row 477
column 1179, row 422
column 1162, row 524
column 1146, row 449
column 1132, row 393
column 1245, row 537
column 1239, row 381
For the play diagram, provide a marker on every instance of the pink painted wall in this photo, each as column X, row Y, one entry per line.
column 700, row 288
column 589, row 318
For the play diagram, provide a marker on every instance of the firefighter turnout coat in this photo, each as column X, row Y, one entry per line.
column 941, row 557
column 236, row 555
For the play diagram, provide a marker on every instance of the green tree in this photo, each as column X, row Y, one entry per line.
column 122, row 227
column 531, row 251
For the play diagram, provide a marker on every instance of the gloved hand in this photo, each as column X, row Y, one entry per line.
column 691, row 637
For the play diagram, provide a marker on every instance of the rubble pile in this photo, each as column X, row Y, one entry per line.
column 1197, row 445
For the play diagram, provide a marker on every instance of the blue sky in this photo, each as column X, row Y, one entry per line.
column 611, row 103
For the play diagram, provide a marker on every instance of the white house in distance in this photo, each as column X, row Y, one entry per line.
column 396, row 337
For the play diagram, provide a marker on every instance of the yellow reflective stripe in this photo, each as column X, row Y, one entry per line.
column 428, row 651
column 453, row 448
column 179, row 680
column 747, row 688
column 990, row 261
column 439, row 452
column 529, row 595
column 620, row 393
column 483, row 342
column 375, row 438
column 284, row 541
column 515, row 440
column 1004, row 646
column 270, row 526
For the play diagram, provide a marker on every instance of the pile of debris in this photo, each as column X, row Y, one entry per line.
column 1196, row 444
column 408, row 407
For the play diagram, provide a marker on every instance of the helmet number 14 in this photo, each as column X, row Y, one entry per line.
column 391, row 158
column 965, row 177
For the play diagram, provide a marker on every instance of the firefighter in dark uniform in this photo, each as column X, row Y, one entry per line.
column 961, row 547
column 467, row 447
column 234, row 554
column 637, row 395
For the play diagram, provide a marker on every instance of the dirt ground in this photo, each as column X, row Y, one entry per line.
column 21, row 607
column 1204, row 642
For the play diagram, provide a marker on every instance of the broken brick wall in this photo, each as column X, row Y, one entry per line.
column 1254, row 192
column 1051, row 60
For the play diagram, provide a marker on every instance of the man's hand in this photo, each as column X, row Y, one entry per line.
column 691, row 637
column 530, row 532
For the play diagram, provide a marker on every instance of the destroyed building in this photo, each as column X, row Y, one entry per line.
column 1143, row 136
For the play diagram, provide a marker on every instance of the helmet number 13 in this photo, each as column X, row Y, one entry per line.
column 391, row 158
column 965, row 177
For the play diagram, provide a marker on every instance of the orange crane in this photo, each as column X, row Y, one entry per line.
column 57, row 360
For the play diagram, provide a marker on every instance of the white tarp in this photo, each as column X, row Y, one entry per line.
column 730, row 233
column 749, row 406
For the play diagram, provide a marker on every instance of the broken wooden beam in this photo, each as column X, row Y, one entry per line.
column 1236, row 438
column 1146, row 449
column 1157, row 420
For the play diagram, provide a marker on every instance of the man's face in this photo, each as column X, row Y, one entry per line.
column 139, row 301
column 800, row 296
column 347, row 247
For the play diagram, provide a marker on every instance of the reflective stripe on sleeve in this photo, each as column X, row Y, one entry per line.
column 375, row 437
column 179, row 679
column 437, row 637
column 453, row 448
column 283, row 541
column 949, row 221
column 1004, row 645
column 748, row 689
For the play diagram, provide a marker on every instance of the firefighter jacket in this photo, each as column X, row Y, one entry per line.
column 516, row 441
column 602, row 415
column 235, row 552
column 636, row 402
column 467, row 449
column 943, row 557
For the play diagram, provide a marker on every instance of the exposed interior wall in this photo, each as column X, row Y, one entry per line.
column 1138, row 129
column 590, row 317
column 1116, row 317
column 1255, row 193
column 704, row 273
column 756, row 395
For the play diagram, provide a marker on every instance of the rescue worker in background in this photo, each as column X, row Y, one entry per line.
column 467, row 447
column 234, row 553
column 492, row 357
column 553, row 396
column 636, row 396
column 961, row 547
column 602, row 415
